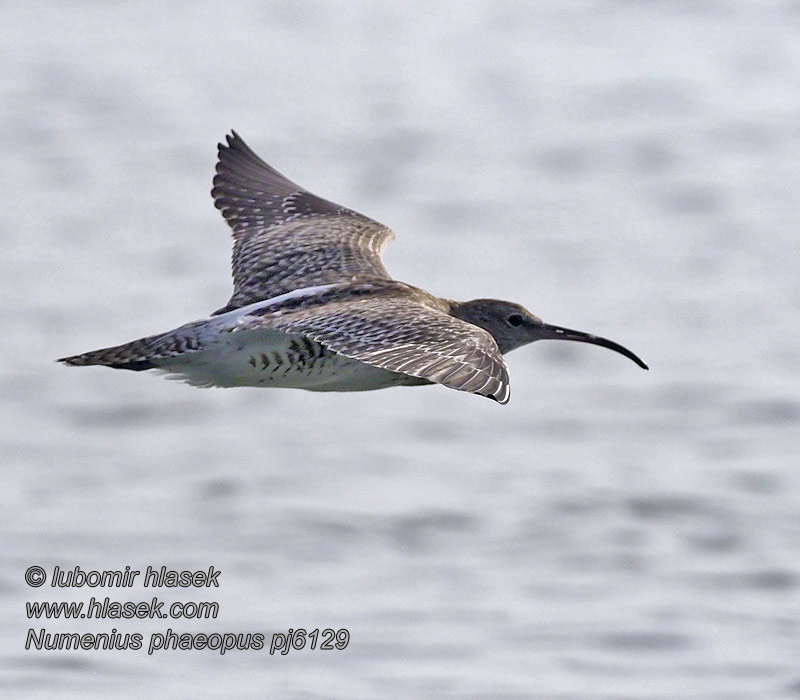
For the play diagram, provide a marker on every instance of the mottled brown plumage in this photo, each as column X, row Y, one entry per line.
column 313, row 306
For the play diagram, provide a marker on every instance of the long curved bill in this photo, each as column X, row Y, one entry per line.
column 549, row 332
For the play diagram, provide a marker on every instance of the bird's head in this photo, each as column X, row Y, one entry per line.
column 513, row 325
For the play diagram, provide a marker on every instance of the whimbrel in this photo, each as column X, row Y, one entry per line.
column 314, row 308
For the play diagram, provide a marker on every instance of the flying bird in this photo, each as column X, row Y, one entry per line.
column 313, row 306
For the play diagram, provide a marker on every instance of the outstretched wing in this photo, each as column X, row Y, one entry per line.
column 402, row 335
column 286, row 238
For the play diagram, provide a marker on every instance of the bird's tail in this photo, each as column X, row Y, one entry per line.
column 106, row 358
column 142, row 354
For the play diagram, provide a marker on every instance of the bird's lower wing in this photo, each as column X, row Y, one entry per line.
column 401, row 335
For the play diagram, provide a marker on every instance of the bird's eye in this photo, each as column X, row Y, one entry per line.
column 514, row 320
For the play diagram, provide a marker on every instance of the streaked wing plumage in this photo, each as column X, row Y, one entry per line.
column 402, row 335
column 285, row 237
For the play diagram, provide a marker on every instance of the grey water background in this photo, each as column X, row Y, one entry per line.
column 626, row 168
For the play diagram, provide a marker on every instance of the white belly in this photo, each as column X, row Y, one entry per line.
column 274, row 359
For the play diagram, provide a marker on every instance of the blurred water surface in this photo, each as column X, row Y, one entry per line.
column 627, row 168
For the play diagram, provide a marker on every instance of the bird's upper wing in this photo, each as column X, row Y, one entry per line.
column 286, row 238
column 402, row 335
